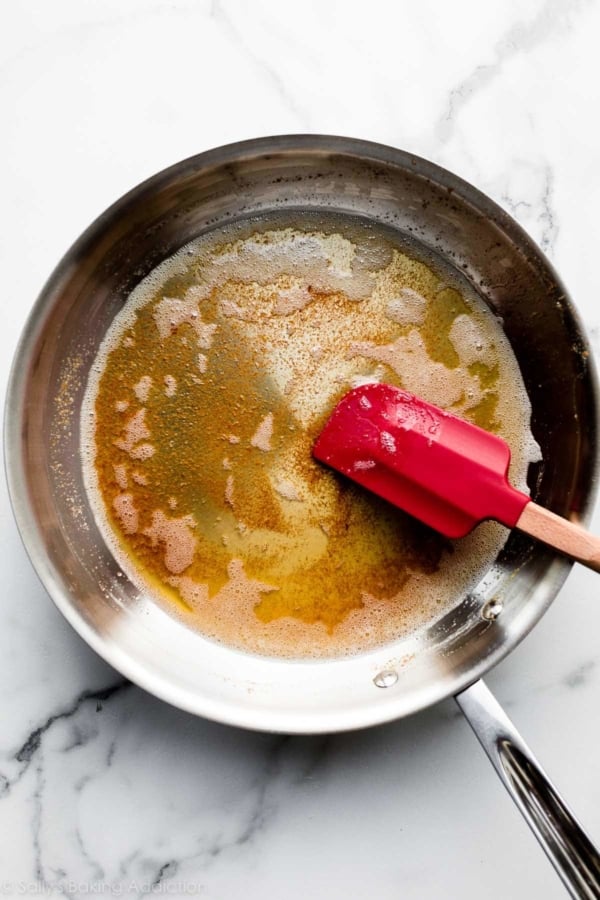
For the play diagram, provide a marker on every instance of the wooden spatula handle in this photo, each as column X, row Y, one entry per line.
column 573, row 540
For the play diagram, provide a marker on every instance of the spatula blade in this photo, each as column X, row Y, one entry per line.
column 434, row 465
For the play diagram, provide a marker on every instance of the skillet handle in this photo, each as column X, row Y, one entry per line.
column 562, row 838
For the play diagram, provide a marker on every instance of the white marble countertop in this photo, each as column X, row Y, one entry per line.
column 105, row 790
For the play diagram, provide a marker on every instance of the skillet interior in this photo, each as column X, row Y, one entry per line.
column 429, row 206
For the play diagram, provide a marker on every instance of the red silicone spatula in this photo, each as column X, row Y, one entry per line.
column 437, row 467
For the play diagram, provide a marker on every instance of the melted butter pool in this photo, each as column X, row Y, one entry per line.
column 204, row 402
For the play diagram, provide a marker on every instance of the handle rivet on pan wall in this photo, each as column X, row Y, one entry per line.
column 385, row 678
column 492, row 609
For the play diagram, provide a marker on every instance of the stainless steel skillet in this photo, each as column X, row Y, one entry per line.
column 441, row 215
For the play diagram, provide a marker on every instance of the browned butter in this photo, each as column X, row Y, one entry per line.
column 207, row 395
